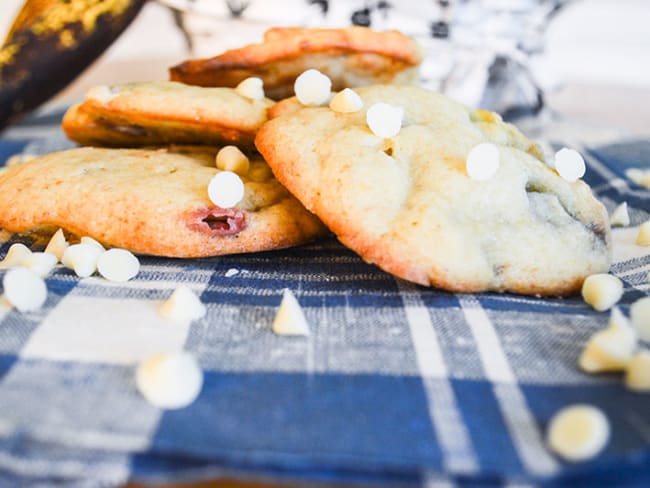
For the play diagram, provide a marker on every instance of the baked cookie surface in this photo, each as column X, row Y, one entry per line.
column 354, row 56
column 407, row 204
column 152, row 202
column 163, row 112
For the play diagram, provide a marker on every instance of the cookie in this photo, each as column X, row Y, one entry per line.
column 354, row 56
column 152, row 202
column 407, row 203
column 164, row 112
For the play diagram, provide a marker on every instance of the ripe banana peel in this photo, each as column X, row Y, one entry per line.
column 50, row 43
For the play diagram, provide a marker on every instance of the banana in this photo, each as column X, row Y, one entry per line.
column 50, row 43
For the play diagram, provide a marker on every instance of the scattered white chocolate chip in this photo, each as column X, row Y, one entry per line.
column 569, row 164
column 312, row 87
column 231, row 272
column 637, row 372
column 482, row 161
column 182, row 304
column 602, row 291
column 290, row 319
column 230, row 158
column 610, row 349
column 226, row 189
column 16, row 254
column 170, row 380
column 346, row 101
column 57, row 244
column 385, row 120
column 639, row 176
column 252, row 88
column 24, row 289
column 643, row 237
column 578, row 433
column 640, row 317
column 82, row 258
column 620, row 217
column 118, row 265
column 41, row 263
column 92, row 242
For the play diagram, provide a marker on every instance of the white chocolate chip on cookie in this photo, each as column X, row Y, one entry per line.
column 602, row 291
column 578, row 433
column 620, row 217
column 385, row 120
column 482, row 161
column 24, row 289
column 346, row 101
column 230, row 158
column 610, row 349
column 226, row 189
column 252, row 88
column 312, row 87
column 569, row 164
column 170, row 380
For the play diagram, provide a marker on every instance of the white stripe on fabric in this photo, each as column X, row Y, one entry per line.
column 523, row 428
column 455, row 443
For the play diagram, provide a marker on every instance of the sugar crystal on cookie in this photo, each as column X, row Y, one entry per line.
column 313, row 87
column 482, row 161
column 226, row 189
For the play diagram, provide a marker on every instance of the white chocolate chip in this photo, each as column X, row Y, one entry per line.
column 170, row 380
column 252, row 88
column 569, row 164
column 57, row 244
column 637, row 373
column 82, row 258
column 230, row 158
column 24, row 289
column 639, row 176
column 118, row 265
column 182, row 305
column 346, row 101
column 231, row 272
column 640, row 317
column 313, row 88
column 92, row 242
column 620, row 217
column 602, row 291
column 41, row 263
column 610, row 349
column 102, row 93
column 578, row 433
column 384, row 120
column 226, row 189
column 483, row 161
column 643, row 237
column 16, row 254
column 290, row 319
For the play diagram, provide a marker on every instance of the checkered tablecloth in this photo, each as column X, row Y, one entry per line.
column 398, row 385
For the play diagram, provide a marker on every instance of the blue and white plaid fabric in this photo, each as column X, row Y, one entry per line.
column 398, row 385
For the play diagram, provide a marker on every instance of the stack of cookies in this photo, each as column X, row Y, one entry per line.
column 425, row 188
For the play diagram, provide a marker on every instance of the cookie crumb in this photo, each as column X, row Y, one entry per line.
column 226, row 189
column 569, row 164
column 312, row 88
column 252, row 88
column 620, row 216
column 578, row 433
